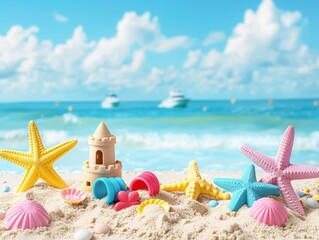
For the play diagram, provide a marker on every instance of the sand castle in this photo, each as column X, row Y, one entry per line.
column 101, row 161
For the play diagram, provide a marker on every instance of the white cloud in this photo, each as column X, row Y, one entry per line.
column 60, row 18
column 265, row 53
column 214, row 37
column 192, row 58
column 27, row 63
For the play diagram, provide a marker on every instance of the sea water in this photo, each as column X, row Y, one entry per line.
column 157, row 139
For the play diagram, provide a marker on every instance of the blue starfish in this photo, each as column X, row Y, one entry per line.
column 246, row 190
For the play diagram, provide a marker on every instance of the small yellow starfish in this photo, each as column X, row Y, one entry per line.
column 194, row 185
column 38, row 162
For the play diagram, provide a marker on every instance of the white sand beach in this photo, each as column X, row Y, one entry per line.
column 186, row 219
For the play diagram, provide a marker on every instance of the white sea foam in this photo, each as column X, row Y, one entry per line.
column 183, row 141
column 53, row 137
column 209, row 141
column 49, row 137
column 70, row 118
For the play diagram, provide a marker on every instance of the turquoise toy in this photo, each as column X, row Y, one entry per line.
column 109, row 187
column 213, row 203
column 246, row 190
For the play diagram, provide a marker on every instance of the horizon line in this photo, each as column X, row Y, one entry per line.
column 195, row 100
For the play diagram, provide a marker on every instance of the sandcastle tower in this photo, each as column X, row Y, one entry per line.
column 102, row 161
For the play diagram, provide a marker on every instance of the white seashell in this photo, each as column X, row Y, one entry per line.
column 83, row 234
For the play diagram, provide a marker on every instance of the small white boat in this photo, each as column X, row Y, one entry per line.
column 175, row 100
column 110, row 101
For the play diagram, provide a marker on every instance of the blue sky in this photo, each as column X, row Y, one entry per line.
column 81, row 50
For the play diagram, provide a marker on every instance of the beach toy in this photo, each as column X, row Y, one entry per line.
column 101, row 161
column 213, row 203
column 102, row 228
column 83, row 234
column 193, row 185
column 27, row 215
column 280, row 171
column 311, row 203
column 109, row 187
column 146, row 180
column 6, row 188
column 126, row 200
column 301, row 194
column 38, row 162
column 316, row 197
column 246, row 190
column 307, row 190
column 73, row 196
column 159, row 202
column 269, row 211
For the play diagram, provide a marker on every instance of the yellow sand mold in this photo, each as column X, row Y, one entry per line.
column 193, row 185
column 159, row 202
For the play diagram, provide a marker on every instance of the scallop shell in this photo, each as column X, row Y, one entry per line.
column 27, row 215
column 159, row 202
column 269, row 211
column 73, row 196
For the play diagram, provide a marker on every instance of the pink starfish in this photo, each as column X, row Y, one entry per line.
column 280, row 172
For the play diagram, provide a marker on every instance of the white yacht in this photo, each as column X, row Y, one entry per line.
column 110, row 101
column 175, row 100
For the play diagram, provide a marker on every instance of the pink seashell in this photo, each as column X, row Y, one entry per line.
column 27, row 215
column 73, row 196
column 269, row 211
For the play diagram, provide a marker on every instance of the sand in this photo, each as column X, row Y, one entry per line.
column 186, row 219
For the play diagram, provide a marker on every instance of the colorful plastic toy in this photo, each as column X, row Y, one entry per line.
column 6, row 188
column 73, row 196
column 27, row 215
column 109, row 187
column 127, row 200
column 311, row 203
column 246, row 190
column 102, row 161
column 213, row 203
column 280, row 171
column 159, row 202
column 38, row 162
column 194, row 185
column 269, row 211
column 146, row 180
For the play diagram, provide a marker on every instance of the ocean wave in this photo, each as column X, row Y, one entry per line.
column 70, row 118
column 187, row 141
column 183, row 141
column 49, row 137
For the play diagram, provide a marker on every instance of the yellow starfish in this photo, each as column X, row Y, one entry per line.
column 38, row 162
column 194, row 185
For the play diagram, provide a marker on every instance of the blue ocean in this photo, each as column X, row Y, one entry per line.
column 157, row 139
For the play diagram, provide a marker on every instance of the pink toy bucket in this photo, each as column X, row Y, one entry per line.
column 147, row 180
